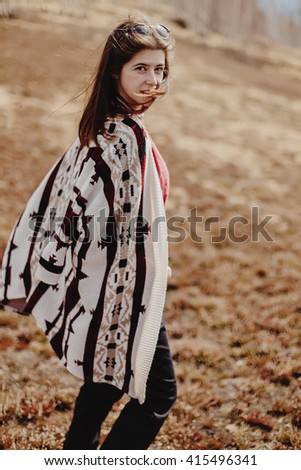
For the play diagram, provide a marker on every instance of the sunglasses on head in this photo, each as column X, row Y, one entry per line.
column 144, row 29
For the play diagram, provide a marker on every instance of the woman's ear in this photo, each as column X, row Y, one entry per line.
column 115, row 75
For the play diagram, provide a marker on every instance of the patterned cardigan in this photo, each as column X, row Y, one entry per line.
column 88, row 258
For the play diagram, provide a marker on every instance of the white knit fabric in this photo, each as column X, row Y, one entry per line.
column 158, row 250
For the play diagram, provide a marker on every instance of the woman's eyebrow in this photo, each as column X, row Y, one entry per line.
column 148, row 65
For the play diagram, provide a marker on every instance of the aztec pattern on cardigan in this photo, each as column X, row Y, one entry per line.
column 88, row 258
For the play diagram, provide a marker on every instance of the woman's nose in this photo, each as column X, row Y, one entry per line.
column 151, row 78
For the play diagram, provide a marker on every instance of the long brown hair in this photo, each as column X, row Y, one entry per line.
column 120, row 47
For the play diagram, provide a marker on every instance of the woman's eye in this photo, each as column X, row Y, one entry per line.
column 160, row 70
column 141, row 67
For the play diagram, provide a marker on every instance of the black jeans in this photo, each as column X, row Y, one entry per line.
column 137, row 425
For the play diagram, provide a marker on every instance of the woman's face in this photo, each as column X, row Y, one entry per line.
column 142, row 74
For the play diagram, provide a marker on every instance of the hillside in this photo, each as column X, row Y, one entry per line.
column 230, row 133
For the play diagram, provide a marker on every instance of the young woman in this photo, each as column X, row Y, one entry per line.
column 89, row 257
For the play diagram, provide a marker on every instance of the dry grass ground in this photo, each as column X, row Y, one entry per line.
column 230, row 132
